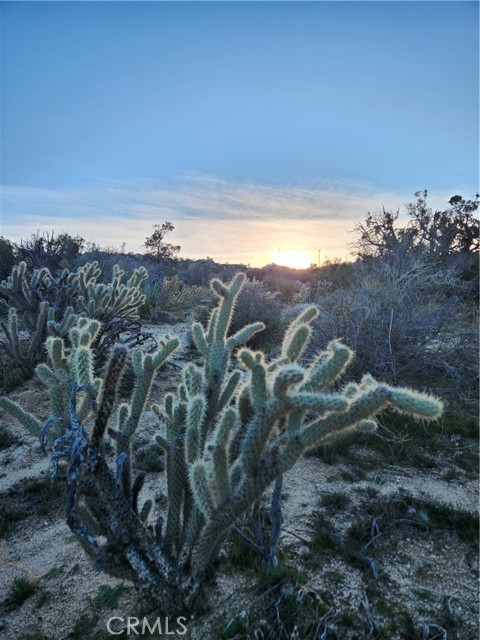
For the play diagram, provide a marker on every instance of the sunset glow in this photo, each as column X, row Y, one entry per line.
column 293, row 259
column 233, row 121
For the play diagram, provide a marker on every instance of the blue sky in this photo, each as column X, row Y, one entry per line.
column 249, row 125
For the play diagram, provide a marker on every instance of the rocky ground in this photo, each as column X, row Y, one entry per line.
column 377, row 542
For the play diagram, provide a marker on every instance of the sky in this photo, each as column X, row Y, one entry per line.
column 257, row 128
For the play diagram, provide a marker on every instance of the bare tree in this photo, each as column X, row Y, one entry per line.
column 437, row 234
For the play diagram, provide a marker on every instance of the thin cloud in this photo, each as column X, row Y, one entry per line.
column 221, row 199
column 227, row 220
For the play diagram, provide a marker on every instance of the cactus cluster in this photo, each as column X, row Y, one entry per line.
column 42, row 305
column 106, row 301
column 64, row 367
column 240, row 421
column 234, row 426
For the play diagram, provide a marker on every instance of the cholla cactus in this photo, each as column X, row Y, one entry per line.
column 235, row 432
column 105, row 301
column 64, row 367
column 234, row 425
column 44, row 305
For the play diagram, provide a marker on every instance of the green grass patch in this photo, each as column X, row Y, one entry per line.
column 463, row 523
column 34, row 497
column 396, row 621
column 6, row 439
column 54, row 572
column 450, row 475
column 408, row 441
column 43, row 596
column 8, row 518
column 323, row 544
column 282, row 573
column 20, row 590
column 84, row 628
column 12, row 375
column 322, row 541
column 334, row 499
column 335, row 450
column 462, row 425
column 425, row 515
column 240, row 553
column 285, row 608
column 108, row 596
column 352, row 475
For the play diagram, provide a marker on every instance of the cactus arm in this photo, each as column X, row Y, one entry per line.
column 329, row 366
column 145, row 369
column 176, row 484
column 25, row 418
column 244, row 334
column 112, row 379
column 201, row 488
column 229, row 390
column 11, row 331
column 62, row 327
column 199, row 338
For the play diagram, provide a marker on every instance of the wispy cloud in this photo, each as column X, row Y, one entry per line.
column 227, row 220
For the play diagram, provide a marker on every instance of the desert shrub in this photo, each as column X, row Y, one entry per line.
column 201, row 272
column 7, row 257
column 168, row 296
column 55, row 252
column 286, row 288
column 408, row 325
column 231, row 428
column 336, row 273
column 6, row 439
column 285, row 607
column 257, row 303
column 12, row 375
column 331, row 276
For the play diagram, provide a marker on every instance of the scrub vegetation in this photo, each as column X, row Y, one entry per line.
column 211, row 438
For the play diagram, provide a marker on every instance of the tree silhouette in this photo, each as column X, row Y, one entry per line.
column 157, row 247
column 437, row 234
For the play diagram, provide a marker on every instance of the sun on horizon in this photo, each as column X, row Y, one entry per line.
column 294, row 259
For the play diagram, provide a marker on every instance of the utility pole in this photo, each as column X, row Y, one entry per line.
column 319, row 257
